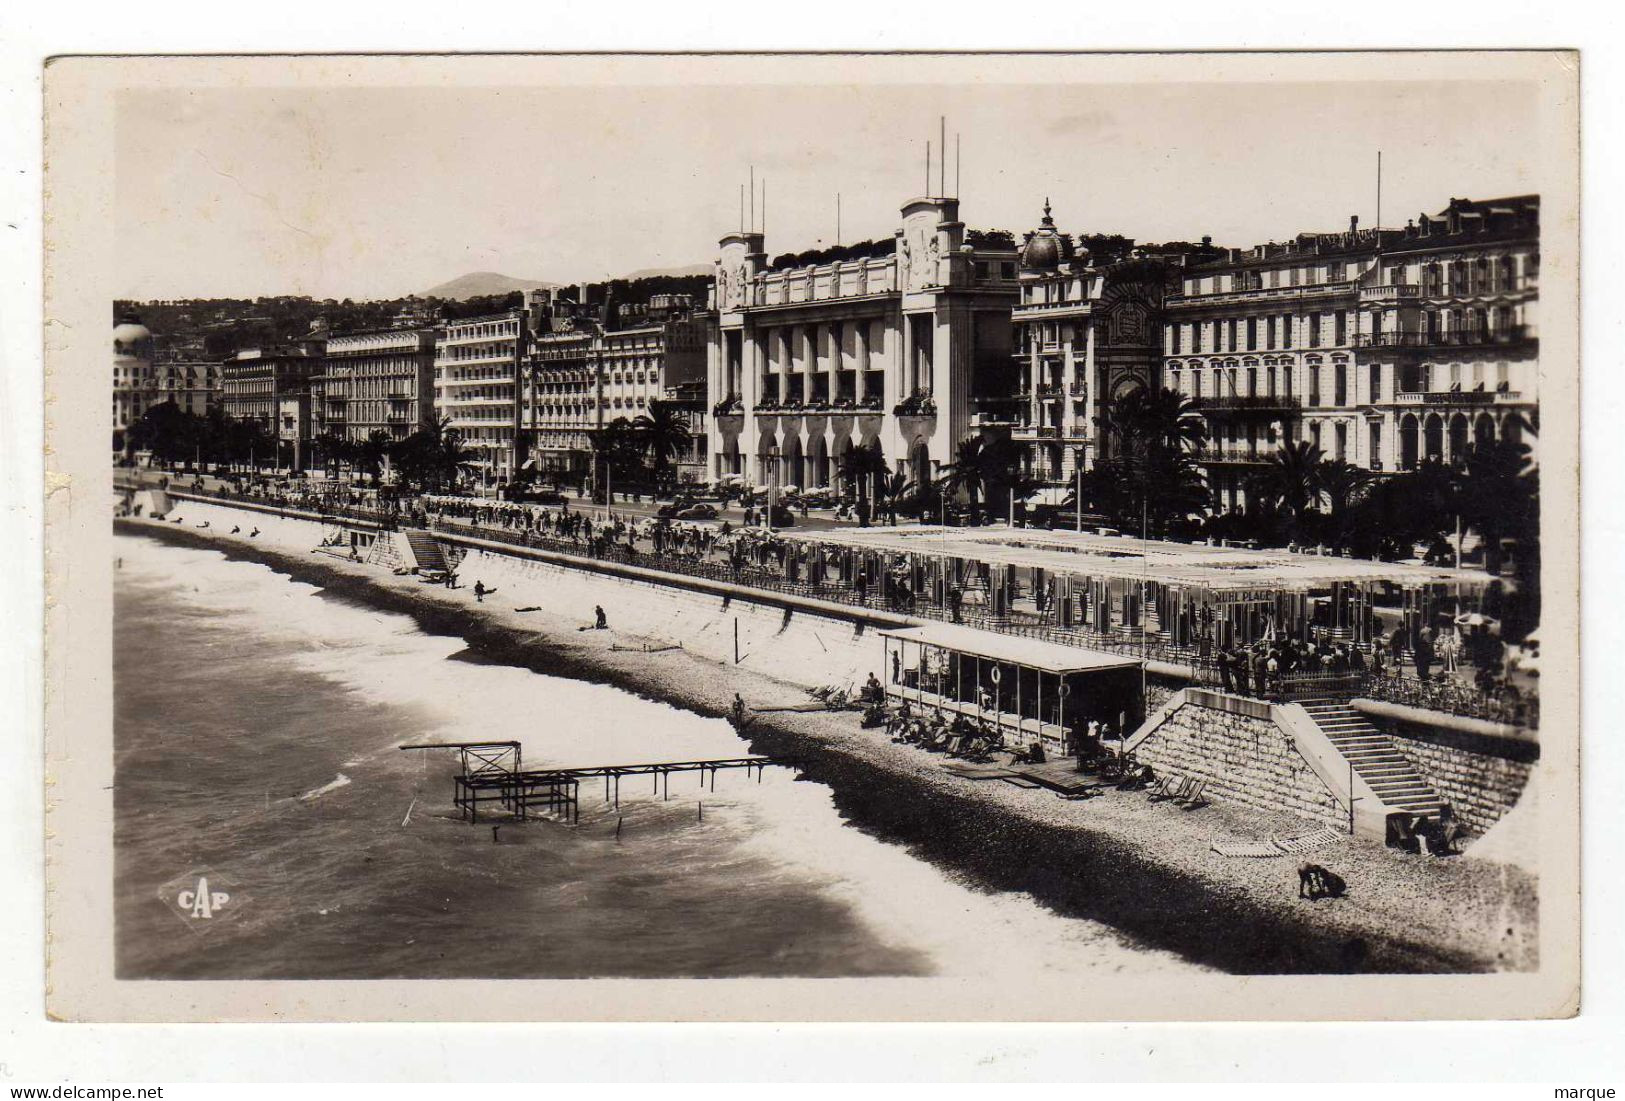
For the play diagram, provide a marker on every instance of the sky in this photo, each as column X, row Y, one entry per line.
column 378, row 192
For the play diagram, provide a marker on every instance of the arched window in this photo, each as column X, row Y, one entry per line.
column 1433, row 438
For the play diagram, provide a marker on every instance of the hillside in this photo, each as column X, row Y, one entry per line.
column 483, row 283
column 650, row 273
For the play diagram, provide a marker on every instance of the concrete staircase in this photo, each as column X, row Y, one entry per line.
column 1386, row 770
column 426, row 552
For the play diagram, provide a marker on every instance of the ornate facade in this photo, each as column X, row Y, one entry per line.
column 1085, row 334
column 1383, row 347
column 896, row 349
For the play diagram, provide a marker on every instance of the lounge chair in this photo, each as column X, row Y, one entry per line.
column 1172, row 792
column 1159, row 789
column 1194, row 798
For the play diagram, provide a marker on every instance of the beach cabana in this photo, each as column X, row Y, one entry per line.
column 1028, row 688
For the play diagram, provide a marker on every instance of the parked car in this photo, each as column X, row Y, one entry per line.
column 698, row 511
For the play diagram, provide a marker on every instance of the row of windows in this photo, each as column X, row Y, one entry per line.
column 1233, row 334
column 460, row 352
column 1329, row 385
column 509, row 327
column 1480, row 275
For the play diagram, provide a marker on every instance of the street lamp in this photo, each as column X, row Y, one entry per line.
column 772, row 487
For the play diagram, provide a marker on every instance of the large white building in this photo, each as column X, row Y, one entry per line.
column 894, row 348
column 580, row 376
column 1382, row 347
column 139, row 383
column 476, row 386
column 379, row 382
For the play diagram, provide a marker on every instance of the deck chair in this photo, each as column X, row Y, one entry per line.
column 1160, row 789
column 1172, row 792
column 1194, row 798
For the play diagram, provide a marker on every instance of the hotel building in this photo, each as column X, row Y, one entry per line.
column 1382, row 347
column 379, row 382
column 476, row 385
column 580, row 376
column 256, row 381
column 1085, row 334
column 194, row 387
column 896, row 349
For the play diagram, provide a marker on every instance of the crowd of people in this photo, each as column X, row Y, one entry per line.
column 1450, row 668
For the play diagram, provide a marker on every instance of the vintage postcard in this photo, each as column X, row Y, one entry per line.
column 813, row 537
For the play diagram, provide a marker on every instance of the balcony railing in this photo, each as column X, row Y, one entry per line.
column 1392, row 293
column 1234, row 456
column 1453, row 338
column 1260, row 403
column 1456, row 397
column 1036, row 432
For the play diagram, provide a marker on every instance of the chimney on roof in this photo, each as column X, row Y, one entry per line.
column 1207, row 240
column 1354, row 223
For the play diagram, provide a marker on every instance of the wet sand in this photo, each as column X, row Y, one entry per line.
column 1144, row 868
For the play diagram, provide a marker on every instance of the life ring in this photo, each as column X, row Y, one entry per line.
column 994, row 675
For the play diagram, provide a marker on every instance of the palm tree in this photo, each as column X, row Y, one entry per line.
column 334, row 447
column 1497, row 496
column 860, row 465
column 890, row 490
column 433, row 457
column 664, row 434
column 1291, row 480
column 968, row 473
column 1150, row 476
column 1154, row 421
column 371, row 452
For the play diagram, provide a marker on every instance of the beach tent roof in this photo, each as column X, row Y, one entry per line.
column 1134, row 559
column 1034, row 653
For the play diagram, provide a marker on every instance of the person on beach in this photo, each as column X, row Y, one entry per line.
column 600, row 620
column 479, row 592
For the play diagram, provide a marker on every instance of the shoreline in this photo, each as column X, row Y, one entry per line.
column 1140, row 868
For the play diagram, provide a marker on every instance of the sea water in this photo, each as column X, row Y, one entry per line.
column 258, row 726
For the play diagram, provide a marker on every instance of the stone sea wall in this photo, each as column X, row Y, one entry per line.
column 1244, row 759
column 1481, row 777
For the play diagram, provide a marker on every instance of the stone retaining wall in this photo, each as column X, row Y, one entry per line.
column 1244, row 759
column 1480, row 777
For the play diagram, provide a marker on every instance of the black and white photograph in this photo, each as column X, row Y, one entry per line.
column 816, row 537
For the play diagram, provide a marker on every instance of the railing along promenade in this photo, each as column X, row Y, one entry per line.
column 746, row 569
column 312, row 504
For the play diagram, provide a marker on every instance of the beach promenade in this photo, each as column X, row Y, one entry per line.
column 1147, row 868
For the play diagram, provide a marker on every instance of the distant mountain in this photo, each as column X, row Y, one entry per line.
column 650, row 273
column 478, row 283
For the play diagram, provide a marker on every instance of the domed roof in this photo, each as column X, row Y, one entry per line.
column 1046, row 248
column 132, row 340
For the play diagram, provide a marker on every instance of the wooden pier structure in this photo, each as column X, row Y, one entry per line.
column 491, row 773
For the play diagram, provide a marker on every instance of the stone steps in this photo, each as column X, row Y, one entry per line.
column 426, row 550
column 1374, row 758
